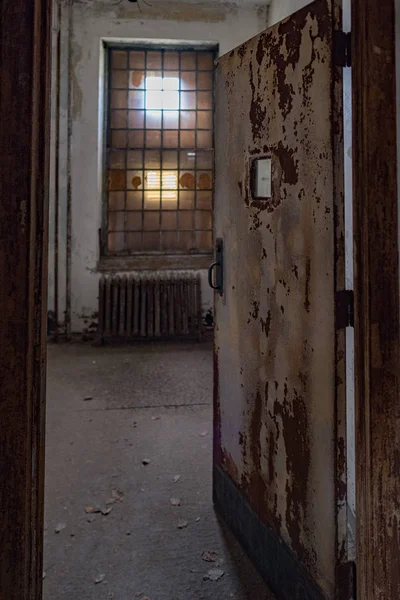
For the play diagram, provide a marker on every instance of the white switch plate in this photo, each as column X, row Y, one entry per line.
column 263, row 178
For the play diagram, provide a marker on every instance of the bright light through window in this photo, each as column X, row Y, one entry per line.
column 169, row 185
column 162, row 93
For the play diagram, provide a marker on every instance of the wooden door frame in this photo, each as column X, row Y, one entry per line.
column 24, row 158
column 377, row 300
column 24, row 136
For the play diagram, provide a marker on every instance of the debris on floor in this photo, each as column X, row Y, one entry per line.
column 182, row 524
column 210, row 556
column 175, row 501
column 60, row 527
column 100, row 578
column 87, row 398
column 146, row 461
column 214, row 575
column 177, row 478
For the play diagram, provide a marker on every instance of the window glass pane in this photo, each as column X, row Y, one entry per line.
column 187, row 159
column 135, row 99
column 153, row 119
column 203, row 219
column 187, row 180
column 116, row 180
column 171, row 119
column 186, row 219
column 137, row 59
column 135, row 159
column 152, row 180
column 118, row 138
column 204, row 200
column 119, row 79
column 136, row 119
column 188, row 80
column 116, row 159
column 204, row 160
column 152, row 159
column 168, row 220
column 153, row 139
column 188, row 139
column 186, row 200
column 204, row 240
column 188, row 119
column 136, row 79
column 204, row 180
column 152, row 200
column 118, row 119
column 133, row 241
column 170, row 100
column 205, row 61
column 135, row 139
column 154, row 60
column 134, row 180
column 134, row 200
column 171, row 60
column 171, row 81
column 204, row 80
column 134, row 221
column 151, row 221
column 188, row 100
column 169, row 200
column 186, row 240
column 169, row 240
column 154, row 80
column 119, row 99
column 116, row 242
column 119, row 59
column 116, row 221
column 204, row 139
column 151, row 241
column 204, row 119
column 116, row 200
column 170, row 139
column 188, row 61
column 154, row 99
column 204, row 100
column 170, row 159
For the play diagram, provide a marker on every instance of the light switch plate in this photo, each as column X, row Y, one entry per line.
column 262, row 178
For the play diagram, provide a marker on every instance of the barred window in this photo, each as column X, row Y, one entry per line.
column 159, row 151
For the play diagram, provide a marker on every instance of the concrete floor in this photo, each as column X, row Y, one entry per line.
column 148, row 403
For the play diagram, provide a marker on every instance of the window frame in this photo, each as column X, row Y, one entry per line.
column 137, row 258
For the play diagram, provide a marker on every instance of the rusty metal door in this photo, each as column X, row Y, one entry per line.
column 279, row 440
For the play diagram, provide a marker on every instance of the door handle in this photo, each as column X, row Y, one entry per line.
column 217, row 266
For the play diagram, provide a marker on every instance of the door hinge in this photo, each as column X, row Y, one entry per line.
column 346, row 581
column 342, row 48
column 344, row 309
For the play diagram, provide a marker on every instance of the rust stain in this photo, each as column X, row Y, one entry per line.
column 288, row 163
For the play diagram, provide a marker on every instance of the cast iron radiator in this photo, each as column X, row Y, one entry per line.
column 149, row 306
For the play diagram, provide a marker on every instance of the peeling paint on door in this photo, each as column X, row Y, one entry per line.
column 276, row 341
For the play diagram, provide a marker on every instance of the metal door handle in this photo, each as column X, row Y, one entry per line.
column 210, row 276
column 218, row 267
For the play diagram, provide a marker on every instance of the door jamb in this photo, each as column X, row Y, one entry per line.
column 377, row 332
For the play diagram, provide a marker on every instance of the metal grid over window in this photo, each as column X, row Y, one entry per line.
column 160, row 151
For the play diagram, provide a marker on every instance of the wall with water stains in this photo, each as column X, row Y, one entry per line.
column 77, row 208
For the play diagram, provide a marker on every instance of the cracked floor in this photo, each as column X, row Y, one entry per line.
column 130, row 429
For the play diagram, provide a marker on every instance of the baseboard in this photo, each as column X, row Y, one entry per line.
column 276, row 563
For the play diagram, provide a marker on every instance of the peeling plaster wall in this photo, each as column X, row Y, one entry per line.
column 81, row 43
